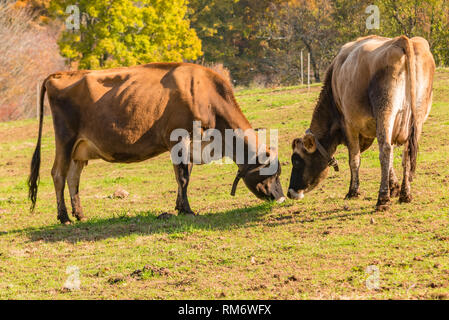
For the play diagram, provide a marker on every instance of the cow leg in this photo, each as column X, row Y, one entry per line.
column 59, row 174
column 354, row 164
column 73, row 181
column 64, row 141
column 356, row 145
column 395, row 187
column 405, row 194
column 182, row 172
column 386, row 162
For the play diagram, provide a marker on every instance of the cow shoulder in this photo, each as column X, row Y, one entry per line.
column 201, row 87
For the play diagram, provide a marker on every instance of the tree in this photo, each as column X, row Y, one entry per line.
column 216, row 23
column 231, row 34
column 303, row 25
column 349, row 20
column 439, row 34
column 428, row 19
column 125, row 32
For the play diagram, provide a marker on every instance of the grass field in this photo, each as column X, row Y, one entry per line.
column 238, row 247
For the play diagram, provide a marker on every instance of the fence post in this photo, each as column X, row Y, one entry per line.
column 302, row 69
column 308, row 72
column 37, row 99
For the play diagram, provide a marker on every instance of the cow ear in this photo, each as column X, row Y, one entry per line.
column 296, row 143
column 309, row 143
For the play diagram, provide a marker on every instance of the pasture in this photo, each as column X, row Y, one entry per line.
column 238, row 247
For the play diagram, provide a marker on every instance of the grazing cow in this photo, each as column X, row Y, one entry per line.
column 374, row 88
column 128, row 115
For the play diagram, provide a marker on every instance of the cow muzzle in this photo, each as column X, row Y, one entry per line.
column 292, row 194
column 280, row 200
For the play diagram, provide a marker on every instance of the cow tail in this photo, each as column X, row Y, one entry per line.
column 414, row 132
column 33, row 179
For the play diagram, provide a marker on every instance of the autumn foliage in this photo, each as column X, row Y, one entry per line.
column 28, row 53
column 126, row 32
column 252, row 42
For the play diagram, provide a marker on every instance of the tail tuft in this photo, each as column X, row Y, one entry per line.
column 33, row 179
column 413, row 149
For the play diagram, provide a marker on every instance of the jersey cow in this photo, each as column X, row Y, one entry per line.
column 375, row 88
column 128, row 115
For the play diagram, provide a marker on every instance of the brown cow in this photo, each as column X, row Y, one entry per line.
column 375, row 88
column 128, row 114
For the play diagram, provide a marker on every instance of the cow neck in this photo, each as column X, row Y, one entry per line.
column 328, row 140
column 326, row 120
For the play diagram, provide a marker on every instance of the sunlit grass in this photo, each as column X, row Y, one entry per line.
column 238, row 247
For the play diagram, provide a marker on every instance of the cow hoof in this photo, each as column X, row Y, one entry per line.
column 383, row 205
column 165, row 216
column 352, row 195
column 405, row 198
column 66, row 222
column 187, row 213
column 80, row 217
column 395, row 191
column 64, row 219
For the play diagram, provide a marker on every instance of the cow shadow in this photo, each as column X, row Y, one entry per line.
column 148, row 223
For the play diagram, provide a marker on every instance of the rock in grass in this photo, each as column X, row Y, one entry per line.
column 120, row 193
column 116, row 280
column 149, row 271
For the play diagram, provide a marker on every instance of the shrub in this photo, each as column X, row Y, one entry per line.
column 28, row 54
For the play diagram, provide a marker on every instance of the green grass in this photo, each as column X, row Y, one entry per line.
column 238, row 247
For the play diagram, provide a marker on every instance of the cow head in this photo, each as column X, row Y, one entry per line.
column 263, row 186
column 310, row 165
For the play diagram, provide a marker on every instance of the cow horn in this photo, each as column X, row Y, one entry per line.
column 234, row 185
column 240, row 175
